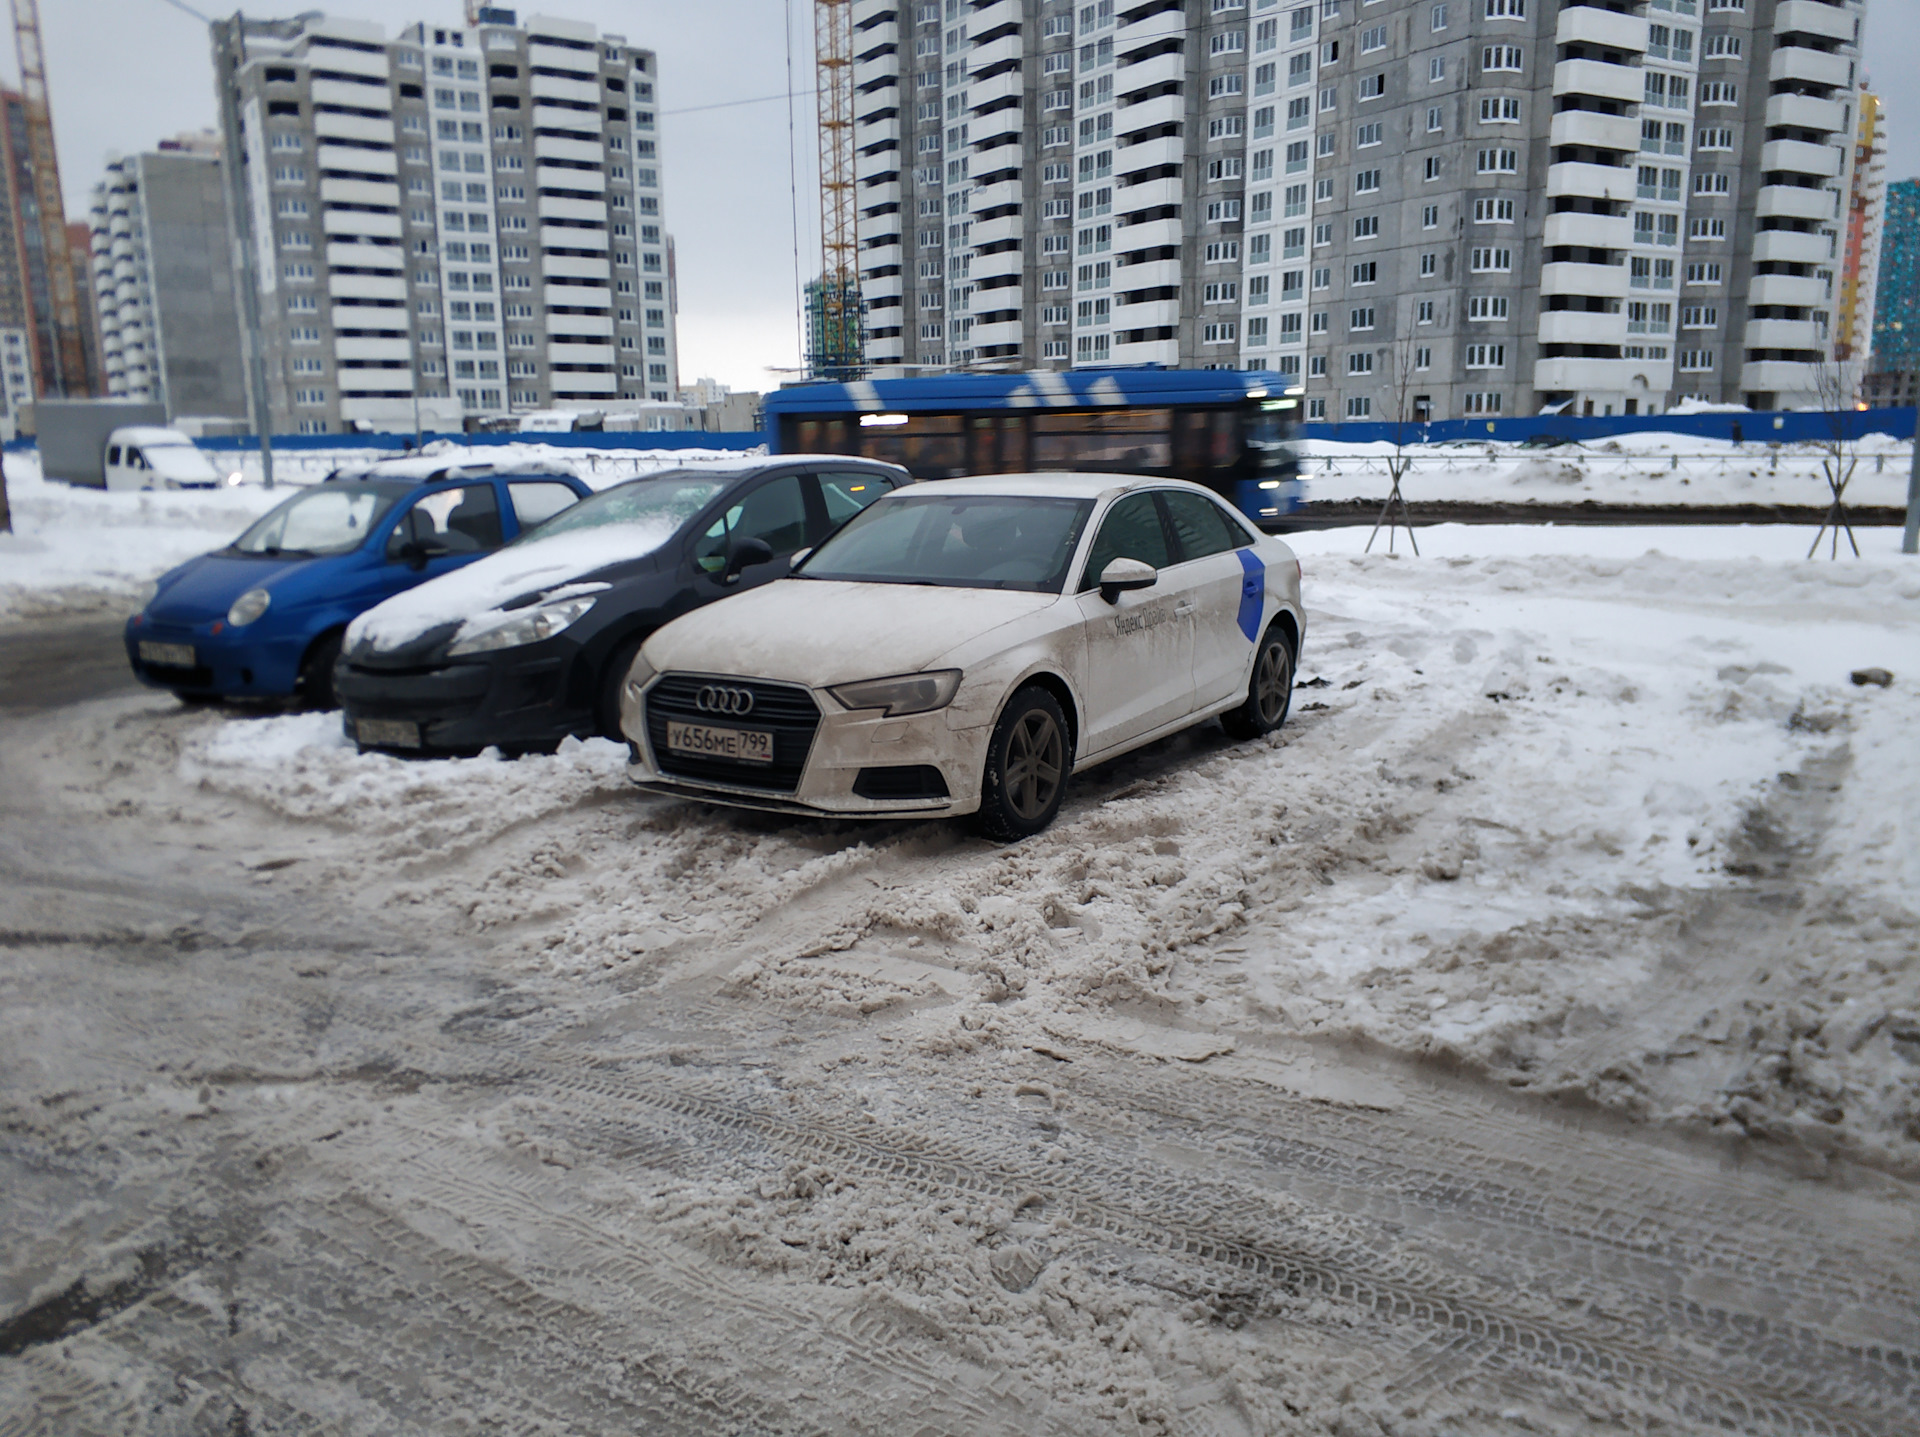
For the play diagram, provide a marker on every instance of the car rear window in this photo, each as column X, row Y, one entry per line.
column 969, row 541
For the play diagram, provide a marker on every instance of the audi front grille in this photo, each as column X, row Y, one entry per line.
column 787, row 711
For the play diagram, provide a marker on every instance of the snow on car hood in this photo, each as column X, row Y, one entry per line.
column 832, row 631
column 181, row 463
column 479, row 588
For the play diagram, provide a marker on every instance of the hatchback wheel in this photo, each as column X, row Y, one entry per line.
column 316, row 673
column 1269, row 691
column 1027, row 763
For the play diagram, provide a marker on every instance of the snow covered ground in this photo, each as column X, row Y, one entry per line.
column 1520, row 770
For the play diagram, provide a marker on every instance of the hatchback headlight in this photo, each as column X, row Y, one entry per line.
column 528, row 626
column 248, row 607
column 903, row 694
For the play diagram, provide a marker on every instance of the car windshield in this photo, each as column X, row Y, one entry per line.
column 662, row 501
column 326, row 519
column 965, row 541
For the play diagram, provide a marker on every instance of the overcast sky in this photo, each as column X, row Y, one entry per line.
column 125, row 73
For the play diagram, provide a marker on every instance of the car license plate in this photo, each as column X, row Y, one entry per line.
column 743, row 745
column 171, row 656
column 388, row 733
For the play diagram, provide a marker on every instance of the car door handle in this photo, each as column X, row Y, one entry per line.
column 1185, row 606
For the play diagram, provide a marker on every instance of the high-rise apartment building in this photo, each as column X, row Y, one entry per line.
column 163, row 280
column 1451, row 207
column 470, row 214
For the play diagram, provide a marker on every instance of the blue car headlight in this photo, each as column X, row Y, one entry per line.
column 248, row 607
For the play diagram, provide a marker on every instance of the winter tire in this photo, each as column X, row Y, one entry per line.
column 1027, row 764
column 606, row 709
column 316, row 672
column 1269, row 691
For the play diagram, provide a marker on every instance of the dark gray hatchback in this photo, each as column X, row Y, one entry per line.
column 529, row 645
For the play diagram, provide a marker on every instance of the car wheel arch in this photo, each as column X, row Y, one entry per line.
column 1063, row 695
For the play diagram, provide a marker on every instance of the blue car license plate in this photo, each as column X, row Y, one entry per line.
column 166, row 656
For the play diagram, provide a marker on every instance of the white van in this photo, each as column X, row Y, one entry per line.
column 144, row 457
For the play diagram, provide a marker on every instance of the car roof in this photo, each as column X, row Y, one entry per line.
column 147, row 434
column 1065, row 486
column 760, row 463
column 433, row 469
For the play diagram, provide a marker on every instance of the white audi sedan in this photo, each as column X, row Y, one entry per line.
column 962, row 647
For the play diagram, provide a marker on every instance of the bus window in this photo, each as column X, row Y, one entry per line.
column 1137, row 441
column 1224, row 451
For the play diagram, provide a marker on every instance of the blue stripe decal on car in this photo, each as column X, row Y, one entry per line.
column 1253, row 593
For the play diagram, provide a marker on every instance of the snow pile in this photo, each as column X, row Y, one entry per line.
column 78, row 548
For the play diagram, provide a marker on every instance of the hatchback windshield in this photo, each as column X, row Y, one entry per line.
column 968, row 541
column 662, row 502
column 326, row 519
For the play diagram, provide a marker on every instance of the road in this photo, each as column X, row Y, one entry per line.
column 306, row 1127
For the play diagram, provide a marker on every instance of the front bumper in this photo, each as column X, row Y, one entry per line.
column 845, row 746
column 249, row 662
column 462, row 707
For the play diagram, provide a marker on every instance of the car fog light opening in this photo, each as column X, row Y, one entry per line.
column 248, row 607
column 901, row 694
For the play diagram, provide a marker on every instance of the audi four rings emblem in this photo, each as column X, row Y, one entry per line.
column 716, row 700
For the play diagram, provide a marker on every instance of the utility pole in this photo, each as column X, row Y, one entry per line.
column 229, row 55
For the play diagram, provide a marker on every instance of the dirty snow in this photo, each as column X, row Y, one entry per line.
column 1515, row 770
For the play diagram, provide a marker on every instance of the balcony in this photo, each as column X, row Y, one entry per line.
column 993, row 15
column 1154, row 274
column 1148, row 314
column 1151, row 351
column 559, row 117
column 986, row 129
column 555, row 237
column 1572, row 326
column 865, row 72
column 1828, row 117
column 1793, row 202
column 363, row 162
column 869, row 169
column 576, row 296
column 361, row 222
column 1589, row 25
column 574, row 92
column 1000, row 87
column 359, row 192
column 386, row 381
column 1600, row 182
column 588, row 327
column 1602, row 281
column 1810, row 67
column 579, row 353
column 1792, row 290
column 1794, row 334
column 366, row 256
column 993, row 231
column 367, row 286
column 1588, row 231
column 586, row 386
column 1594, row 77
column 563, row 57
column 552, row 177
column 1800, row 158
column 1810, row 17
column 1146, row 114
column 1589, row 375
column 555, row 147
column 1782, row 377
column 353, row 96
column 559, row 207
column 1148, row 235
column 1155, row 70
column 397, row 348
column 1601, row 132
column 1792, row 247
column 886, row 32
column 578, row 266
column 1148, row 195
column 1149, row 154
column 995, row 52
column 992, row 266
column 1002, row 332
column 881, row 256
column 887, row 286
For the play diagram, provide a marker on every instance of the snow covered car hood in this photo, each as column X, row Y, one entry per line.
column 181, row 463
column 834, row 631
column 480, row 590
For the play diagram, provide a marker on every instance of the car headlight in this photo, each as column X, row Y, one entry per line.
column 903, row 694
column 529, row 626
column 248, row 607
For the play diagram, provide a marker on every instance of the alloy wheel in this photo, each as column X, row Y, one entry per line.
column 1036, row 758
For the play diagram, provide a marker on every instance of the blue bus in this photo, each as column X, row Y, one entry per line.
column 1231, row 430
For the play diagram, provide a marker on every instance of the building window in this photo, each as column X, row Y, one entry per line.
column 1506, row 9
column 1488, row 259
column 1423, row 312
column 1361, row 407
column 1493, row 212
column 1498, row 162
column 1430, row 217
column 1360, row 318
column 1696, row 361
column 1366, row 227
column 1480, row 404
column 1368, row 273
column 1499, row 110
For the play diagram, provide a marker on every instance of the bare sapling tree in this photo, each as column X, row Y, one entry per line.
column 1400, row 397
column 1839, row 445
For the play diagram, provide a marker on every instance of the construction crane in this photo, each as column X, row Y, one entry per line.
column 835, row 350
column 66, row 357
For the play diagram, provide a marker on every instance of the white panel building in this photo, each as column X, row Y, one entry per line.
column 470, row 215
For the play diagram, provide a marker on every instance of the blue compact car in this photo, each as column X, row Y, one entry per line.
column 263, row 617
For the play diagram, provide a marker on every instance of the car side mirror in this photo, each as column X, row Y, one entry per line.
column 1124, row 574
column 745, row 554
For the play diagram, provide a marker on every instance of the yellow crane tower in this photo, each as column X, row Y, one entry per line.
column 64, row 363
column 834, row 348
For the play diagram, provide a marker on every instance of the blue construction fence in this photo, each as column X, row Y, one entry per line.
column 571, row 439
column 1737, row 426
